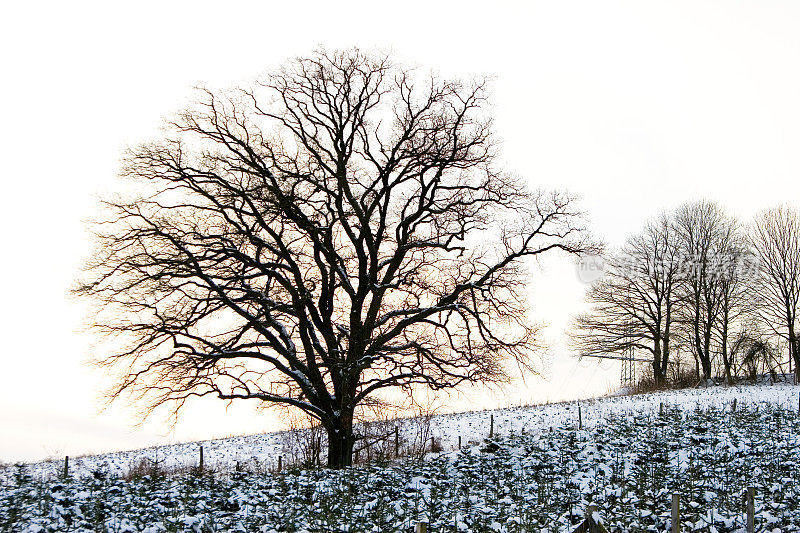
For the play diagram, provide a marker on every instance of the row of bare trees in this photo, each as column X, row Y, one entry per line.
column 697, row 281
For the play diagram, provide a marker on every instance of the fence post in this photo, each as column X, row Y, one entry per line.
column 422, row 527
column 591, row 525
column 66, row 466
column 280, row 463
column 397, row 441
column 491, row 426
column 580, row 417
column 459, row 442
column 734, row 405
column 201, row 457
column 751, row 510
column 676, row 513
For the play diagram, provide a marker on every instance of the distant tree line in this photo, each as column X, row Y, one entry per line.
column 697, row 283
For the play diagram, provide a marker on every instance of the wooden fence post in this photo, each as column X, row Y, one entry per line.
column 734, row 405
column 751, row 510
column 676, row 513
column 580, row 417
column 589, row 525
column 459, row 442
column 280, row 463
column 491, row 426
column 66, row 466
column 201, row 457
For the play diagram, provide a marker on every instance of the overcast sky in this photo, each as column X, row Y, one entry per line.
column 635, row 106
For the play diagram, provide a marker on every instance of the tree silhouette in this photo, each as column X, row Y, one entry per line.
column 337, row 229
column 634, row 306
column 775, row 239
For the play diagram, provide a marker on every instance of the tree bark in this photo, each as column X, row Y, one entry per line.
column 340, row 442
column 705, row 357
column 658, row 365
column 697, row 367
column 724, row 345
column 794, row 352
column 706, row 368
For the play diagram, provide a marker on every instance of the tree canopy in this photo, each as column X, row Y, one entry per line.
column 336, row 229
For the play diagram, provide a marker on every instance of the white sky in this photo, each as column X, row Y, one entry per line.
column 636, row 106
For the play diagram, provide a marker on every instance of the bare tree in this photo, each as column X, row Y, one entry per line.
column 337, row 229
column 634, row 304
column 705, row 233
column 775, row 238
column 734, row 267
column 753, row 351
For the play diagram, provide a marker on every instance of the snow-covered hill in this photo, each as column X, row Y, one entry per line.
column 261, row 452
column 539, row 473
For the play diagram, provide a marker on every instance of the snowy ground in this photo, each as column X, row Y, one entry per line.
column 260, row 452
column 538, row 474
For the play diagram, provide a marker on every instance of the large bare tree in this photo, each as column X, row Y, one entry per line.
column 775, row 238
column 337, row 229
column 634, row 304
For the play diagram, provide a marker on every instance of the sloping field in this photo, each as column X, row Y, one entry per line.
column 260, row 452
column 537, row 474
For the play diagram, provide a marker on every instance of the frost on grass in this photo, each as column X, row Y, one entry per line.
column 628, row 463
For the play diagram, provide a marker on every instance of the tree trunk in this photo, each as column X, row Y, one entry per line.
column 697, row 367
column 794, row 353
column 706, row 368
column 727, row 363
column 725, row 360
column 665, row 342
column 658, row 367
column 340, row 442
column 702, row 348
column 705, row 357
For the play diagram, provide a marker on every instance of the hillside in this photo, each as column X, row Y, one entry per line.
column 260, row 452
column 538, row 473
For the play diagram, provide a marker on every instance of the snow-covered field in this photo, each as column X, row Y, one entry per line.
column 260, row 452
column 538, row 474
